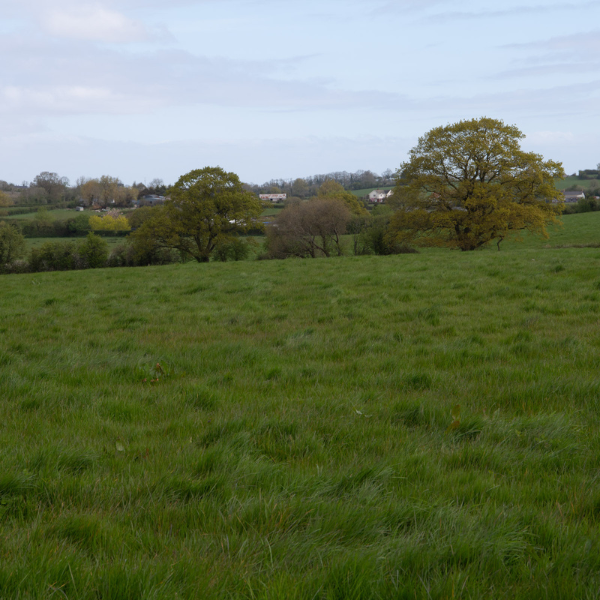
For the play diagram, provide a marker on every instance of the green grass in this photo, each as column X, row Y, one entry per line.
column 296, row 440
column 571, row 181
column 271, row 211
column 582, row 228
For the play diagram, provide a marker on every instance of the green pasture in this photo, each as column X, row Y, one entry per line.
column 577, row 229
column 575, row 181
column 271, row 211
column 413, row 426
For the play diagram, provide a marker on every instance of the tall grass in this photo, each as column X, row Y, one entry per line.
column 285, row 429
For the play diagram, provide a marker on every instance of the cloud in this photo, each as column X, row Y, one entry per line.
column 44, row 77
column 546, row 70
column 93, row 23
column 512, row 11
column 584, row 44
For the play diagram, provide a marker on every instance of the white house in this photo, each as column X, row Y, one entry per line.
column 379, row 196
column 273, row 197
column 574, row 196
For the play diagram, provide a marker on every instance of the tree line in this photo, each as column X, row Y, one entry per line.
column 307, row 187
column 463, row 186
column 50, row 188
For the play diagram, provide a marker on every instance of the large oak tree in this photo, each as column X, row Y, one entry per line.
column 205, row 207
column 469, row 183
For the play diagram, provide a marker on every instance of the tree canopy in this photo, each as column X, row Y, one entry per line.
column 309, row 229
column 469, row 183
column 205, row 208
column 332, row 190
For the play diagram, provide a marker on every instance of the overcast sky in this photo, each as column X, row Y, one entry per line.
column 140, row 89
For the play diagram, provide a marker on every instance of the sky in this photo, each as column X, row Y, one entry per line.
column 145, row 89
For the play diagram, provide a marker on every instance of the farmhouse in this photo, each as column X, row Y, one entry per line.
column 273, row 197
column 379, row 196
column 574, row 196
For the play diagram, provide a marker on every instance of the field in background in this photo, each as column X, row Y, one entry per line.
column 583, row 228
column 289, row 429
column 575, row 181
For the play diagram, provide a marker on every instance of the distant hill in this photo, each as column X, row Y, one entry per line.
column 567, row 182
column 571, row 181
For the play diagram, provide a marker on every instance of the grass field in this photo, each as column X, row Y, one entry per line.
column 571, row 181
column 300, row 438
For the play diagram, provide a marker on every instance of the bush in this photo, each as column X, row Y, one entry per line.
column 12, row 244
column 130, row 255
column 16, row 267
column 235, row 249
column 53, row 256
column 375, row 239
column 65, row 256
column 582, row 206
column 94, row 251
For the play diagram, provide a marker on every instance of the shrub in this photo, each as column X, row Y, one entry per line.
column 94, row 251
column 53, row 256
column 131, row 255
column 234, row 249
column 12, row 244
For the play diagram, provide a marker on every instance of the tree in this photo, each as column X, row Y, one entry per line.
column 206, row 207
column 12, row 244
column 112, row 221
column 335, row 191
column 309, row 229
column 5, row 200
column 300, row 188
column 469, row 183
column 106, row 191
column 94, row 250
column 54, row 185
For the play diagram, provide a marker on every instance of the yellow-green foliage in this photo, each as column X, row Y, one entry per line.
column 469, row 183
column 332, row 190
column 5, row 200
column 109, row 223
column 207, row 207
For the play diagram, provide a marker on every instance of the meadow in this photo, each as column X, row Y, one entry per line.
column 413, row 426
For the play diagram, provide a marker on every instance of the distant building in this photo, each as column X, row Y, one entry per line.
column 574, row 196
column 151, row 199
column 379, row 196
column 273, row 197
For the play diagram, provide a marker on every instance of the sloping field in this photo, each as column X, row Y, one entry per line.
column 577, row 229
column 291, row 430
